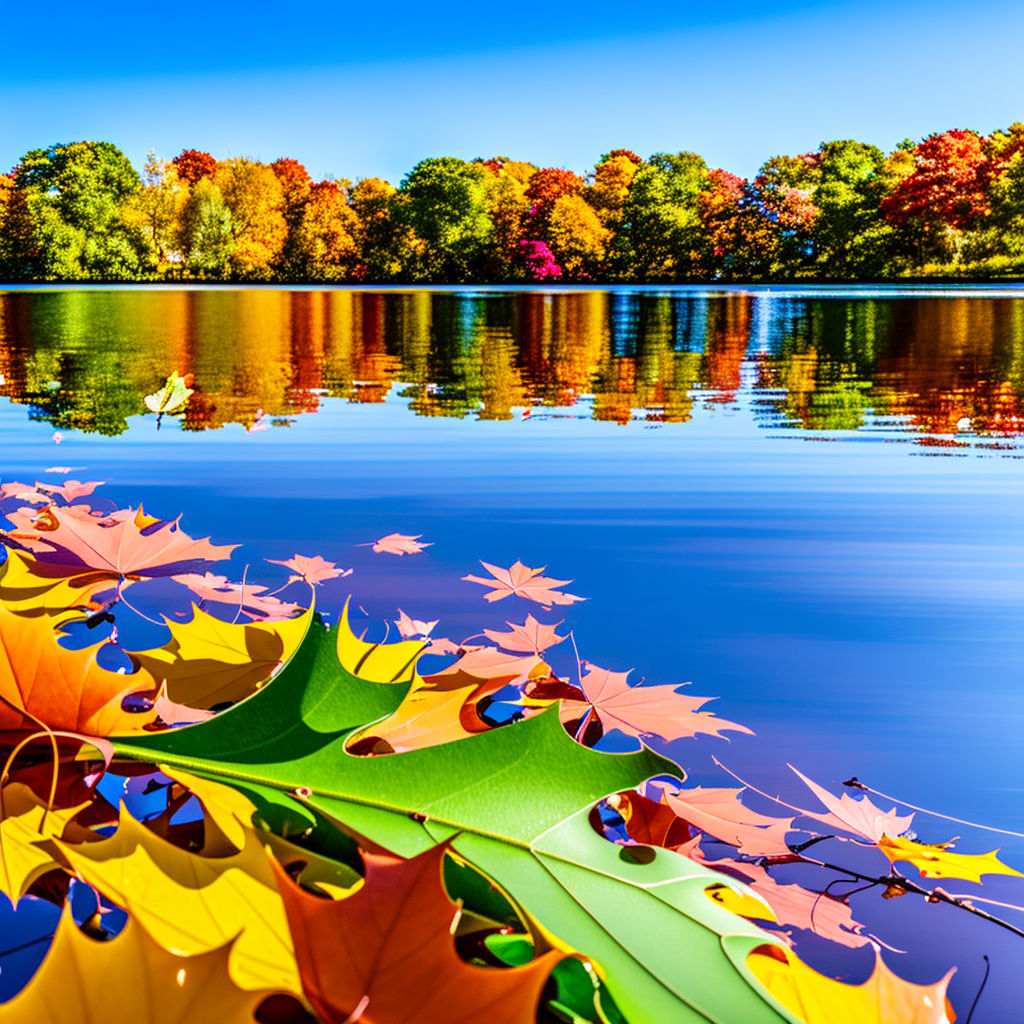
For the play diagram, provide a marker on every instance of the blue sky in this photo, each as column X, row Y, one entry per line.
column 369, row 89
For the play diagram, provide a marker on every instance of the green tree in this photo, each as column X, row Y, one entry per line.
column 444, row 201
column 851, row 237
column 205, row 236
column 661, row 220
column 74, row 195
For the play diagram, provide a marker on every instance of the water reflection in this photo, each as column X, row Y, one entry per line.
column 936, row 365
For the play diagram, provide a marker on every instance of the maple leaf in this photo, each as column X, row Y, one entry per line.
column 443, row 707
column 404, row 921
column 209, row 662
column 721, row 813
column 410, row 628
column 313, row 570
column 816, row 999
column 642, row 710
column 32, row 588
column 44, row 685
column 531, row 636
column 253, row 600
column 195, row 904
column 522, row 581
column 23, row 492
column 400, row 544
column 937, row 861
column 127, row 545
column 861, row 817
column 126, row 979
column 26, row 827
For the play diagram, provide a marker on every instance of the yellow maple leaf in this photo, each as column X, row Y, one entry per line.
column 129, row 979
column 27, row 827
column 209, row 662
column 376, row 663
column 28, row 587
column 194, row 904
column 817, row 999
column 937, row 861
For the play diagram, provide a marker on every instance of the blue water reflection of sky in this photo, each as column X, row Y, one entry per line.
column 858, row 603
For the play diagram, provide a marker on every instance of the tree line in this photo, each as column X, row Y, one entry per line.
column 951, row 205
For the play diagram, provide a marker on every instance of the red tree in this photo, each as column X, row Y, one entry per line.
column 546, row 187
column 948, row 186
column 193, row 165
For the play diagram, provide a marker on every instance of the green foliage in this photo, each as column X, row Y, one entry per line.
column 444, row 202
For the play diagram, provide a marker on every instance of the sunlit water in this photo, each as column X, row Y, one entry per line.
column 809, row 504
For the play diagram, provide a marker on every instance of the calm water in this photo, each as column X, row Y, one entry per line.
column 809, row 504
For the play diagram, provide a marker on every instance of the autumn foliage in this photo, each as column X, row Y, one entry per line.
column 951, row 204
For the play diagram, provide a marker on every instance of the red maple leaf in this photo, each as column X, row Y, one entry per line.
column 522, row 581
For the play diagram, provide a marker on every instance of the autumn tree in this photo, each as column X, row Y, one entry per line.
column 783, row 194
column 443, row 200
column 944, row 196
column 156, row 210
column 74, row 194
column 609, row 192
column 544, row 190
column 322, row 246
column 384, row 244
column 720, row 208
column 578, row 238
column 661, row 220
column 254, row 196
column 508, row 208
column 193, row 165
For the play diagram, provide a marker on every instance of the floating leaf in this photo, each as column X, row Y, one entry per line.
column 861, row 817
column 195, row 904
column 209, row 662
column 390, row 946
column 171, row 398
column 884, row 998
column 400, row 544
column 126, row 980
column 522, row 581
column 936, row 861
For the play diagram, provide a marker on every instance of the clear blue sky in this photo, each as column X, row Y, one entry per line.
column 358, row 90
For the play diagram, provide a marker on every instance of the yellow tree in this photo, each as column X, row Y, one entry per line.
column 577, row 237
column 384, row 247
column 156, row 211
column 254, row 196
column 610, row 190
column 324, row 245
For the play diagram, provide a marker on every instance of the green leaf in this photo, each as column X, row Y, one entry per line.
column 514, row 802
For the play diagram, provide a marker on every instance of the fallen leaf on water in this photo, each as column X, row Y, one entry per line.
column 937, row 861
column 128, row 979
column 522, row 581
column 253, row 600
column 209, row 662
column 405, row 954
column 409, row 628
column 194, row 904
column 129, row 545
column 313, row 570
column 642, row 710
column 531, row 636
column 172, row 397
column 70, row 490
column 42, row 683
column 400, row 544
column 721, row 813
column 884, row 998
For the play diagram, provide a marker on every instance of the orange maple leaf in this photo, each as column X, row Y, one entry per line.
column 44, row 685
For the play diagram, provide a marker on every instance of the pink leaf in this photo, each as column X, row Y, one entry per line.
column 531, row 636
column 313, row 570
column 410, row 628
column 400, row 544
column 522, row 581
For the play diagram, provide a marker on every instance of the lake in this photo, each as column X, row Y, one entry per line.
column 808, row 502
